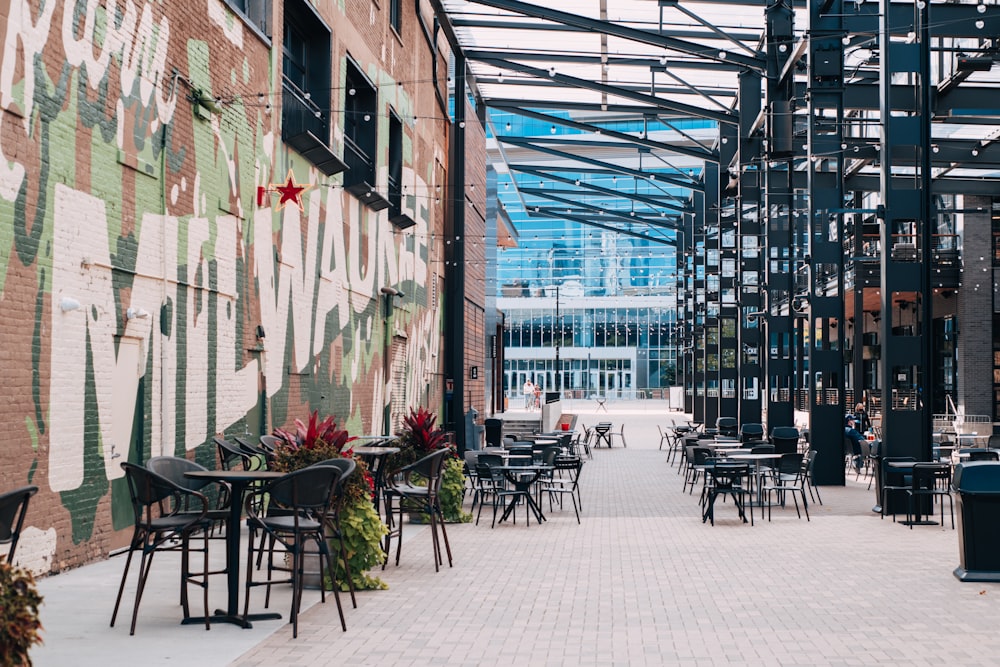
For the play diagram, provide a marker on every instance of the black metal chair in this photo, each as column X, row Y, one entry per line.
column 726, row 479
column 334, row 531
column 174, row 467
column 785, row 439
column 13, row 507
column 697, row 459
column 307, row 496
column 808, row 463
column 402, row 494
column 787, row 477
column 164, row 516
column 893, row 480
column 751, row 431
column 559, row 486
column 930, row 480
column 232, row 456
column 727, row 426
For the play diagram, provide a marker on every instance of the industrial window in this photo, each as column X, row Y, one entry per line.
column 360, row 123
column 254, row 12
column 396, row 15
column 395, row 164
column 305, row 86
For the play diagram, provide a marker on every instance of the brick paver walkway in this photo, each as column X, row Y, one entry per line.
column 641, row 582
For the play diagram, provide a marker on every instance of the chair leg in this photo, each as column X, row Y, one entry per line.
column 121, row 586
column 444, row 534
column 325, row 554
column 347, row 569
column 145, row 562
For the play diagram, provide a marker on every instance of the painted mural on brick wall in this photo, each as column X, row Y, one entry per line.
column 167, row 273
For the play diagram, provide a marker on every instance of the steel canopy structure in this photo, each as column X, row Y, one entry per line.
column 815, row 164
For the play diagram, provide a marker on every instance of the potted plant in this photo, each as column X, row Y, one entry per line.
column 362, row 527
column 420, row 436
column 19, row 623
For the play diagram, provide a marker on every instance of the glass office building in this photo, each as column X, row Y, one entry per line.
column 589, row 293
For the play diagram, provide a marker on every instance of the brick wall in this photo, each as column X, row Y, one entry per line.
column 123, row 194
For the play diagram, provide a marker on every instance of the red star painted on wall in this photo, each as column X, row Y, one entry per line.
column 290, row 191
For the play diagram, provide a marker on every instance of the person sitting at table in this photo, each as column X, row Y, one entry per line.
column 852, row 434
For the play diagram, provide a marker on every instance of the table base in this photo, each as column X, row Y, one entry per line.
column 918, row 522
column 532, row 505
column 222, row 617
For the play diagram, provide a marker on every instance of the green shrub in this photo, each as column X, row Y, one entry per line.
column 19, row 622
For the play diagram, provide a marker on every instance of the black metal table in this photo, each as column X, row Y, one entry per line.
column 238, row 481
column 523, row 477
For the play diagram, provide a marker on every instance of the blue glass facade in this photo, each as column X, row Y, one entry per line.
column 599, row 297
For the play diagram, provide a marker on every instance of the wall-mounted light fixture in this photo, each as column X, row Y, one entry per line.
column 68, row 303
column 136, row 313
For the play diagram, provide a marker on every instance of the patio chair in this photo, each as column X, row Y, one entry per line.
column 808, row 463
column 786, row 478
column 785, row 439
column 163, row 524
column 13, row 507
column 558, row 486
column 930, row 480
column 893, row 480
column 402, row 495
column 620, row 434
column 489, row 486
column 727, row 426
column 307, row 496
column 751, row 431
column 232, row 456
column 174, row 467
column 664, row 439
column 726, row 479
column 334, row 531
column 697, row 459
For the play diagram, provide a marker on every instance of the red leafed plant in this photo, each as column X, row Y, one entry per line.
column 420, row 432
column 319, row 441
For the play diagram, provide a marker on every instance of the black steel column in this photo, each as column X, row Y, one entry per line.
column 710, row 216
column 751, row 268
column 455, row 271
column 906, row 237
column 780, row 203
column 728, row 257
column 698, row 315
column 825, row 284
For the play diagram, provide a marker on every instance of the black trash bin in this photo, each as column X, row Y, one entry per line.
column 977, row 488
column 494, row 432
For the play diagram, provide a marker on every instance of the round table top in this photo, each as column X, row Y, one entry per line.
column 234, row 475
column 375, row 451
column 754, row 457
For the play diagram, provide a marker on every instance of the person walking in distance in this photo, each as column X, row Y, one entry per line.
column 528, row 391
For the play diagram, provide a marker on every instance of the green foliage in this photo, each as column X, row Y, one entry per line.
column 452, row 487
column 363, row 532
column 321, row 441
column 418, row 438
column 19, row 622
column 362, row 526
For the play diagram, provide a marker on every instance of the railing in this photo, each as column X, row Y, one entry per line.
column 300, row 115
column 361, row 168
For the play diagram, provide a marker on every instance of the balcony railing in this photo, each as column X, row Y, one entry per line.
column 361, row 165
column 300, row 115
